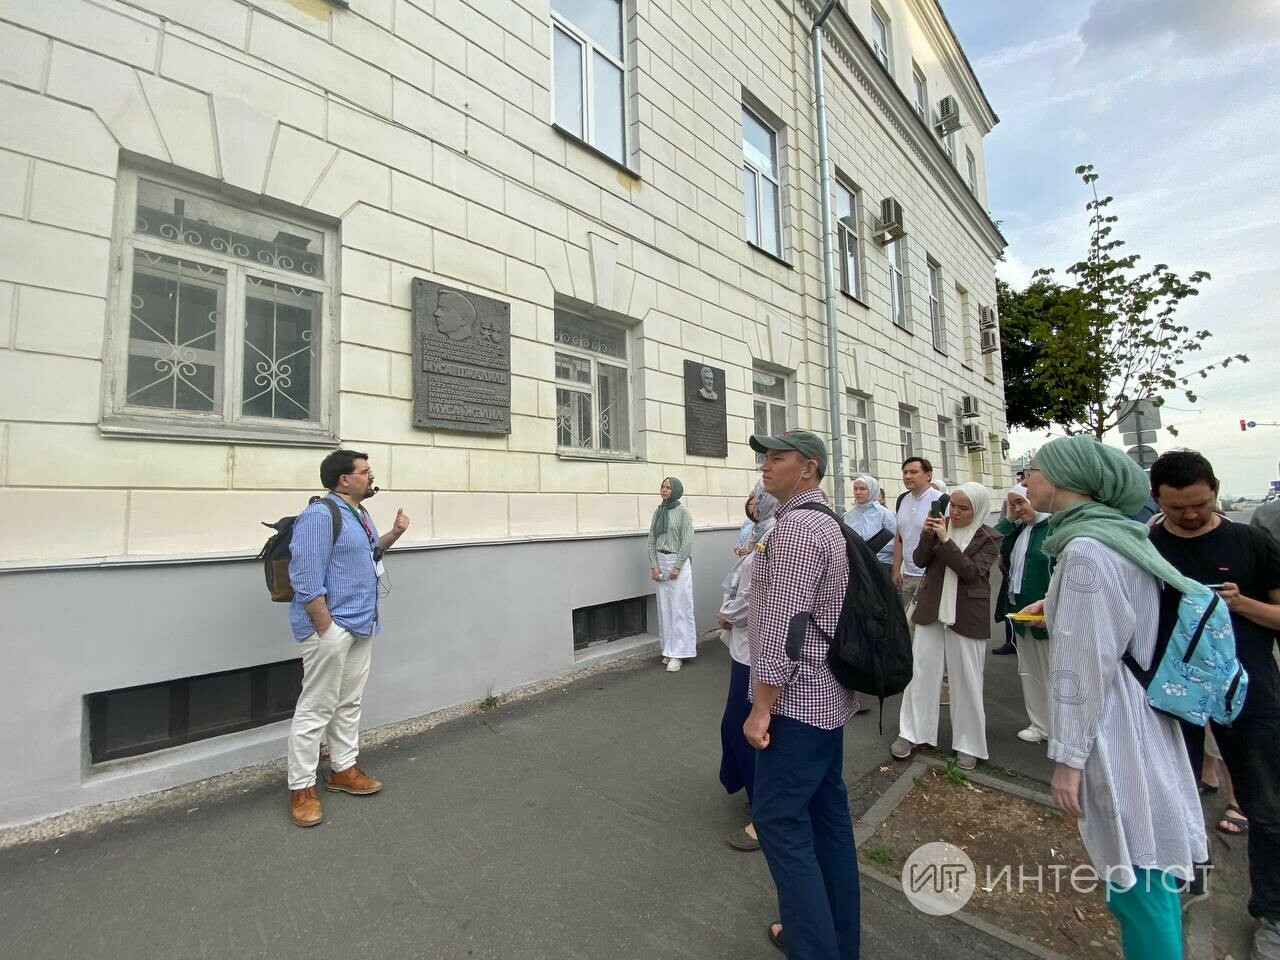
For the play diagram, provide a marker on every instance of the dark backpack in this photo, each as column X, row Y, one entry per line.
column 870, row 651
column 275, row 554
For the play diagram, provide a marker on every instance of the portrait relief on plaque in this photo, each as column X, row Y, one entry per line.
column 706, row 425
column 461, row 360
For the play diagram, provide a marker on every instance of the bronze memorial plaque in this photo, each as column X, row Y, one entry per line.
column 706, row 425
column 461, row 360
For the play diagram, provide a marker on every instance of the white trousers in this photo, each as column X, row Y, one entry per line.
column 935, row 649
column 675, row 610
column 1033, row 667
column 335, row 668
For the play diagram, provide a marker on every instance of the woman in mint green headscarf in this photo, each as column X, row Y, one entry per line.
column 1121, row 767
column 671, row 567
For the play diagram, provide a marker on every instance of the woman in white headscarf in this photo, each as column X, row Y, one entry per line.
column 1026, row 581
column 953, row 622
column 872, row 521
column 737, row 757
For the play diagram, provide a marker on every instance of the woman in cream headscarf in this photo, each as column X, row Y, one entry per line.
column 1026, row 580
column 953, row 621
column 737, row 757
column 671, row 568
column 1121, row 767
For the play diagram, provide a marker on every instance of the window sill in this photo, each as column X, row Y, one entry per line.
column 144, row 428
column 570, row 454
column 612, row 161
column 939, row 351
column 856, row 299
column 771, row 256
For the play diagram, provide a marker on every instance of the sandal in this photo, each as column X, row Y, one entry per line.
column 775, row 936
column 1233, row 826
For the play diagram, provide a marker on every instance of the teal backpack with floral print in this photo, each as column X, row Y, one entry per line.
column 1194, row 674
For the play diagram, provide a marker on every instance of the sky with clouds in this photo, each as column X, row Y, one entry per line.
column 1176, row 103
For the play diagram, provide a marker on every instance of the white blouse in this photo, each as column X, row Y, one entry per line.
column 1141, row 808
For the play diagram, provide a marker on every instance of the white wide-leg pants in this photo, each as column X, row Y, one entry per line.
column 1033, row 667
column 937, row 648
column 335, row 668
column 676, row 627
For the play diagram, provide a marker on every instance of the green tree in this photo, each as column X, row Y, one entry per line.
column 1029, row 403
column 1110, row 338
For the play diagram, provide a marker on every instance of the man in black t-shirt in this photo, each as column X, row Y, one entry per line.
column 1243, row 565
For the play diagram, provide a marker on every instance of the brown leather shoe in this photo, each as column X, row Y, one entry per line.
column 304, row 806
column 353, row 780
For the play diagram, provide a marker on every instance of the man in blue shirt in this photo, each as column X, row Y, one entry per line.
column 334, row 615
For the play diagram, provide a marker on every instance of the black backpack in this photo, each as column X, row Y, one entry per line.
column 275, row 553
column 870, row 651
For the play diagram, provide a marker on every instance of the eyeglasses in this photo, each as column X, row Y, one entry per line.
column 1033, row 469
column 367, row 472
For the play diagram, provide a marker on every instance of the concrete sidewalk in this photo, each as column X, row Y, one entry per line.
column 586, row 822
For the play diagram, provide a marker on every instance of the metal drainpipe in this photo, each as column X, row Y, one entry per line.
column 828, row 263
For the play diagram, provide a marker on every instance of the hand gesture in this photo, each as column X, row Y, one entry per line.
column 401, row 523
column 675, row 573
column 655, row 574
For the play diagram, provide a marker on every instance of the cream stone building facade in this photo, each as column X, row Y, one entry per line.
column 211, row 215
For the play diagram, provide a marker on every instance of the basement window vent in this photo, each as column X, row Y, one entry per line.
column 138, row 720
column 608, row 622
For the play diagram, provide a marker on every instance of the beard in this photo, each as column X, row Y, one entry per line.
column 369, row 491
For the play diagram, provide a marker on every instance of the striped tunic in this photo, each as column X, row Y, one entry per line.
column 1139, row 796
column 677, row 538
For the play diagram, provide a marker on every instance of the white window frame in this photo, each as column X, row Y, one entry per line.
column 946, row 439
column 751, row 171
column 228, row 422
column 897, row 279
column 882, row 37
column 949, row 147
column 937, row 321
column 920, row 91
column 595, row 357
column 773, row 406
column 971, row 169
column 860, row 431
column 849, row 237
column 586, row 78
column 908, row 433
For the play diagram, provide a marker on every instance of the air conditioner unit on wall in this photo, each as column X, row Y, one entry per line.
column 990, row 341
column 971, row 436
column 987, row 318
column 948, row 116
column 890, row 225
column 968, row 405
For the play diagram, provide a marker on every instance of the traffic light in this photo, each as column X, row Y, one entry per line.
column 1243, row 426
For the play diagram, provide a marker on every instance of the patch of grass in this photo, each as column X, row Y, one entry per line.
column 953, row 773
column 881, row 853
column 489, row 702
column 1053, row 813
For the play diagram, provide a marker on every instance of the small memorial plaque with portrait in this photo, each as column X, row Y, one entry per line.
column 706, row 424
column 461, row 360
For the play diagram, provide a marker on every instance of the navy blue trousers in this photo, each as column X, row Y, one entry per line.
column 737, row 757
column 801, row 813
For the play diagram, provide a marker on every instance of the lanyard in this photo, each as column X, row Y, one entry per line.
column 368, row 531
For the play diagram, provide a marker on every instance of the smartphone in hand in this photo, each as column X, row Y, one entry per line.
column 936, row 508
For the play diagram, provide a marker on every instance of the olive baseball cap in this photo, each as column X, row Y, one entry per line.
column 809, row 445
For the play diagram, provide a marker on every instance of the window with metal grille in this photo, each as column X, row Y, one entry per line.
column 607, row 622
column 771, row 401
column 221, row 317
column 137, row 720
column 593, row 385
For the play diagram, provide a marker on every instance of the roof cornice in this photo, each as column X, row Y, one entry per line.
column 849, row 47
column 930, row 15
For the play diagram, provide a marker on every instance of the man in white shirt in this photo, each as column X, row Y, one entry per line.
column 913, row 510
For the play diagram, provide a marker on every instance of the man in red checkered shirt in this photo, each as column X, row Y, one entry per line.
column 798, row 711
